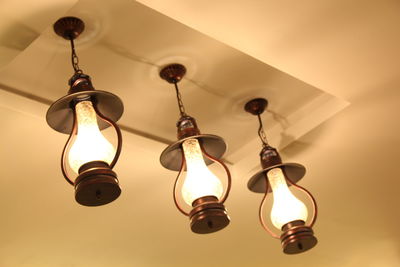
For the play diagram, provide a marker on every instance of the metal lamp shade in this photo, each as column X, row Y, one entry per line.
column 171, row 157
column 60, row 115
column 293, row 171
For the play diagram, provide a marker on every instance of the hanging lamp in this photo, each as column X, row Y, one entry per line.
column 288, row 214
column 82, row 113
column 202, row 191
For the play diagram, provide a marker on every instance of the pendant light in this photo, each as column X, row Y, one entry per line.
column 288, row 214
column 82, row 113
column 202, row 190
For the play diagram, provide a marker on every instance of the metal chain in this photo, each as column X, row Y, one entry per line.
column 74, row 58
column 180, row 103
column 261, row 132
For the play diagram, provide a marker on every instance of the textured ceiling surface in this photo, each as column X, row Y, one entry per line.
column 322, row 51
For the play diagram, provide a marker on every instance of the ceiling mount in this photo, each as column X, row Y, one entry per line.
column 69, row 27
column 173, row 73
column 256, row 106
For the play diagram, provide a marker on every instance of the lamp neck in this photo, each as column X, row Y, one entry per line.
column 187, row 127
column 269, row 156
column 80, row 82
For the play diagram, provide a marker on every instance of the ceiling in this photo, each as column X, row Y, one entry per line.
column 329, row 69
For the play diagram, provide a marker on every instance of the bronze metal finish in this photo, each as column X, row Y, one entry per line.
column 187, row 127
column 69, row 27
column 297, row 237
column 96, row 184
column 256, row 106
column 173, row 73
column 208, row 215
column 269, row 156
column 80, row 82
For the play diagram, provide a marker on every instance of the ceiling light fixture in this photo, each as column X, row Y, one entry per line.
column 288, row 213
column 201, row 189
column 82, row 113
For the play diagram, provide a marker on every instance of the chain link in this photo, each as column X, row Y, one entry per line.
column 180, row 103
column 74, row 58
column 261, row 132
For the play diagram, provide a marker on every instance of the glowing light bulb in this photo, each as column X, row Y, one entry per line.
column 286, row 207
column 90, row 144
column 200, row 181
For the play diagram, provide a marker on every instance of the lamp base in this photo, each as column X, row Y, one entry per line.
column 96, row 186
column 297, row 237
column 208, row 215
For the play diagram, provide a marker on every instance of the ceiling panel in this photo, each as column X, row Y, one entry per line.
column 123, row 48
column 22, row 23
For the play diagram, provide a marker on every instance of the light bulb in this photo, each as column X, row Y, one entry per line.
column 286, row 207
column 90, row 144
column 200, row 181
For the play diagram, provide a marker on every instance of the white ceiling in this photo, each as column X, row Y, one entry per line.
column 126, row 61
column 335, row 49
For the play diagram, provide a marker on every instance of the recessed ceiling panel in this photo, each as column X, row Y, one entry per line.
column 123, row 47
